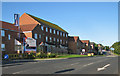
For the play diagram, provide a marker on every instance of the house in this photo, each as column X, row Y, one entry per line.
column 52, row 37
column 74, row 45
column 86, row 44
column 11, row 37
column 100, row 47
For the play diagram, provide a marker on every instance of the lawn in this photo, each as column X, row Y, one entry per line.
column 71, row 56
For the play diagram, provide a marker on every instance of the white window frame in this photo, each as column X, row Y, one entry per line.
column 3, row 48
column 3, row 33
column 35, row 35
column 9, row 37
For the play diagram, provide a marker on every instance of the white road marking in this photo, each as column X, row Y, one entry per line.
column 74, row 63
column 99, row 69
column 16, row 73
column 87, row 64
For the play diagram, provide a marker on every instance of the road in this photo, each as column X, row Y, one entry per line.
column 87, row 65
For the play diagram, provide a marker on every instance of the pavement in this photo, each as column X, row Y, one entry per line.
column 86, row 65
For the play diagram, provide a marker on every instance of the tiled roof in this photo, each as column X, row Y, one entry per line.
column 47, row 23
column 85, row 41
column 76, row 38
column 9, row 26
column 29, row 27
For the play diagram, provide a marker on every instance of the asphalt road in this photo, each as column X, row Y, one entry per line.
column 87, row 65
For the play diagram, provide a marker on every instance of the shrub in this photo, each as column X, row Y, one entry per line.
column 52, row 55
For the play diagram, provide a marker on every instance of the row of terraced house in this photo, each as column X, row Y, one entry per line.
column 34, row 32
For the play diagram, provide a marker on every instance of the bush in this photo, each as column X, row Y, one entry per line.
column 52, row 55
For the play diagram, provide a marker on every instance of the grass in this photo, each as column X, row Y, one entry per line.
column 71, row 56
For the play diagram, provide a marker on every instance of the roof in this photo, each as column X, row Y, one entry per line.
column 73, row 38
column 91, row 43
column 9, row 26
column 76, row 38
column 85, row 41
column 47, row 23
column 28, row 27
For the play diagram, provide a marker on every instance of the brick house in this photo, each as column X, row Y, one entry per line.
column 9, row 35
column 44, row 32
column 74, row 44
column 86, row 45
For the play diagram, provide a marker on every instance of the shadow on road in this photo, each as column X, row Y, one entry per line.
column 10, row 65
column 16, row 61
column 66, row 70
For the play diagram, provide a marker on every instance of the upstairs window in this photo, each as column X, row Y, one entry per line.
column 35, row 36
column 66, row 35
column 50, row 30
column 46, row 39
column 46, row 29
column 9, row 37
column 54, row 31
column 60, row 33
column 3, row 47
column 57, row 32
column 63, row 34
column 42, row 27
column 2, row 33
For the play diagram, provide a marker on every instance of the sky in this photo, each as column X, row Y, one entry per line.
column 94, row 21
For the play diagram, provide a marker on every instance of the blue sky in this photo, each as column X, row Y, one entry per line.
column 94, row 21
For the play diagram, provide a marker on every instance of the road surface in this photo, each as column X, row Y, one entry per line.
column 87, row 65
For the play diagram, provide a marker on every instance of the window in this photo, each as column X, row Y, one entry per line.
column 50, row 30
column 60, row 33
column 54, row 39
column 57, row 40
column 2, row 33
column 54, row 31
column 63, row 34
column 39, row 35
column 61, row 41
column 50, row 39
column 66, row 42
column 9, row 37
column 46, row 39
column 35, row 36
column 46, row 29
column 3, row 47
column 66, row 35
column 42, row 27
column 57, row 32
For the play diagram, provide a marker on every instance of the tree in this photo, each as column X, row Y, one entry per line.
column 107, row 48
column 116, row 46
